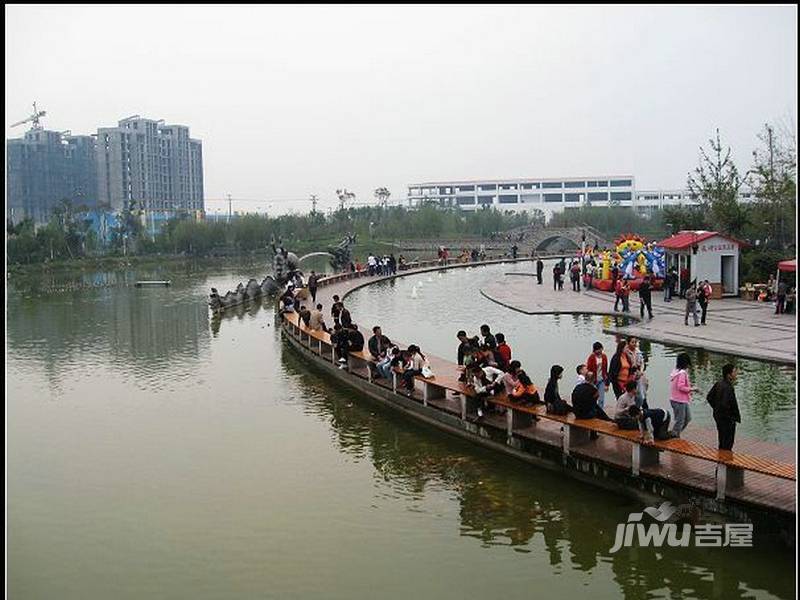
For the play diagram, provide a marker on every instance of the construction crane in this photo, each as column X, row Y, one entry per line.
column 34, row 118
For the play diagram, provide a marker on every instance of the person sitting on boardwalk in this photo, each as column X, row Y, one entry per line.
column 502, row 354
column 355, row 337
column 525, row 392
column 584, row 403
column 305, row 316
column 336, row 310
column 341, row 343
column 680, row 393
column 622, row 415
column 384, row 365
column 486, row 381
column 552, row 398
column 581, row 371
column 378, row 343
column 417, row 361
column 287, row 300
column 722, row 398
column 653, row 423
column 597, row 363
column 511, row 376
column 316, row 322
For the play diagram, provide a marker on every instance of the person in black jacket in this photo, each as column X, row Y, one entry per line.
column 378, row 344
column 645, row 298
column 355, row 338
column 722, row 399
column 539, row 269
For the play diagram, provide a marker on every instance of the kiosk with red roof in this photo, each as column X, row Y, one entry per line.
column 706, row 255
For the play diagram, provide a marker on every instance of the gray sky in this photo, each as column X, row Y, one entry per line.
column 295, row 100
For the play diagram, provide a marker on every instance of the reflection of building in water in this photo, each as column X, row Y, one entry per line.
column 157, row 332
column 508, row 503
column 143, row 332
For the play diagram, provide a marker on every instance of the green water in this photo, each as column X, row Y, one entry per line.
column 155, row 453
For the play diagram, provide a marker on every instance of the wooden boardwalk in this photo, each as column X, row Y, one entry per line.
column 678, row 469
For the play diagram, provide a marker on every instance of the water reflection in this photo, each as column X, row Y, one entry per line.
column 505, row 503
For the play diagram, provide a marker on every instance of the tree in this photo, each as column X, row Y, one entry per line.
column 774, row 181
column 716, row 183
column 382, row 194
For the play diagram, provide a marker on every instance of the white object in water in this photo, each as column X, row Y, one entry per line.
column 414, row 292
column 419, row 283
column 430, row 279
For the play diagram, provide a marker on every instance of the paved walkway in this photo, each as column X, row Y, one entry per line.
column 734, row 326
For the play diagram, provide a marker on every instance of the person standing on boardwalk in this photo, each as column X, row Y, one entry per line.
column 619, row 369
column 669, row 285
column 645, row 298
column 625, row 293
column 691, row 306
column 722, row 399
column 680, row 393
column 539, row 270
column 597, row 363
column 556, row 276
column 336, row 310
column 780, row 304
column 703, row 296
column 575, row 276
column 312, row 286
column 684, row 282
column 618, row 295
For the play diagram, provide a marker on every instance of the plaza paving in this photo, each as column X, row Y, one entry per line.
column 734, row 326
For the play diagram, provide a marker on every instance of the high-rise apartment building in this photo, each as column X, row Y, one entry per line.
column 146, row 164
column 45, row 167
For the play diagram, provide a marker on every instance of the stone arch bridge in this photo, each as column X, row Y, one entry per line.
column 528, row 238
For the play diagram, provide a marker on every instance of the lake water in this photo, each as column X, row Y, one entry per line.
column 155, row 453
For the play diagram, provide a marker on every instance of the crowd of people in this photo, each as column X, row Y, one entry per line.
column 487, row 368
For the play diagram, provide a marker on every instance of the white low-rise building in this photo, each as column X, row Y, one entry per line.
column 550, row 195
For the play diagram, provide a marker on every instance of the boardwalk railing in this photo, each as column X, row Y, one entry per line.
column 731, row 466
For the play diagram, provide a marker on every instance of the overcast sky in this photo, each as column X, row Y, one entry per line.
column 295, row 100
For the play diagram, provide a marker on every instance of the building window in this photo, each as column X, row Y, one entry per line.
column 620, row 196
column 552, row 197
column 572, row 197
column 598, row 196
column 508, row 199
column 598, row 184
column 487, row 188
column 530, row 198
column 574, row 184
column 508, row 186
column 551, row 184
column 621, row 183
column 465, row 200
column 530, row 186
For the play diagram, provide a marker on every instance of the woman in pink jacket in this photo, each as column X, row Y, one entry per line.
column 680, row 394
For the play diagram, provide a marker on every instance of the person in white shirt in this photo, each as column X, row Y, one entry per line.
column 625, row 401
column 486, row 381
column 581, row 378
